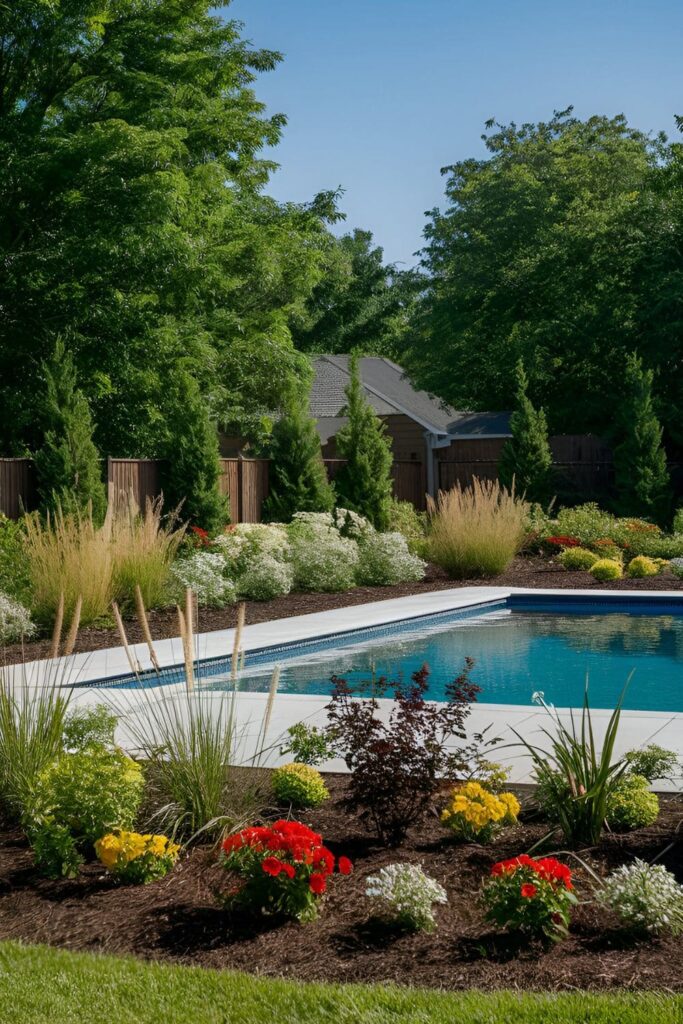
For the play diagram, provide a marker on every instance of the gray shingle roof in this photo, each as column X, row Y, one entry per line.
column 390, row 392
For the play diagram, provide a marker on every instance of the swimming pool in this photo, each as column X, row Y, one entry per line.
column 521, row 645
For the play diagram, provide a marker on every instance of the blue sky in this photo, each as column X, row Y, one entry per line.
column 380, row 94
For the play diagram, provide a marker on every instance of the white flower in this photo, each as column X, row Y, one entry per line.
column 265, row 579
column 408, row 894
column 15, row 621
column 645, row 896
column 385, row 560
column 204, row 573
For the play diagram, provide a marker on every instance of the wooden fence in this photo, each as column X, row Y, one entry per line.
column 243, row 481
column 583, row 465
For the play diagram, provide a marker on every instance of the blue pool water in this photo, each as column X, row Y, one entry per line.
column 520, row 647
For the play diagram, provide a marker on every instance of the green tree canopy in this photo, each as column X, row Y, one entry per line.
column 364, row 484
column 526, row 459
column 360, row 302
column 539, row 256
column 133, row 220
column 67, row 462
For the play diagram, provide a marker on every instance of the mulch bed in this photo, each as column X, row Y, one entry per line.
column 178, row 920
column 524, row 572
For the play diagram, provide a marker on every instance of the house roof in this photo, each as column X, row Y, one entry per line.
column 389, row 392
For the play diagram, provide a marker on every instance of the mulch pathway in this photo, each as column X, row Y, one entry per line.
column 178, row 919
column 525, row 571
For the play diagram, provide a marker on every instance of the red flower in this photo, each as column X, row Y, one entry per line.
column 528, row 891
column 345, row 866
column 272, row 866
column 563, row 541
column 288, row 870
column 317, row 884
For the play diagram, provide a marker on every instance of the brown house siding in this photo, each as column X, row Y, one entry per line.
column 407, row 440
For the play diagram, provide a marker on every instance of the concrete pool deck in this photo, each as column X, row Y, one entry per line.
column 637, row 728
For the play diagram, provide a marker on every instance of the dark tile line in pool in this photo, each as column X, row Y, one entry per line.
column 518, row 602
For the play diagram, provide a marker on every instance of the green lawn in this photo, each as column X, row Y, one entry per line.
column 46, row 986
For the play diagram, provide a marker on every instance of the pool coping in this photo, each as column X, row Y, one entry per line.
column 637, row 727
column 111, row 662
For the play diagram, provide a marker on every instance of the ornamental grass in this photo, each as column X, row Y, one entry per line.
column 144, row 548
column 476, row 531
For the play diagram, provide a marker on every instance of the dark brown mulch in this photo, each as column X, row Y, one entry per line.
column 178, row 919
column 524, row 572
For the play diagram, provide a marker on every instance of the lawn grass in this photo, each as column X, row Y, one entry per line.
column 47, row 986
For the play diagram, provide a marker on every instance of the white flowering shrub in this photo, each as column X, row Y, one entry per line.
column 646, row 897
column 352, row 524
column 265, row 579
column 407, row 894
column 322, row 559
column 205, row 573
column 15, row 621
column 385, row 559
column 676, row 566
column 242, row 545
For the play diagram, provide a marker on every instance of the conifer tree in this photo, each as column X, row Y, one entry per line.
column 364, row 484
column 67, row 464
column 526, row 458
column 641, row 474
column 298, row 479
column 192, row 467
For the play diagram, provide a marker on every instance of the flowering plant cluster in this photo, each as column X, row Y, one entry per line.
column 15, row 621
column 280, row 869
column 407, row 894
column 531, row 896
column 646, row 897
column 563, row 541
column 136, row 858
column 474, row 813
column 204, row 573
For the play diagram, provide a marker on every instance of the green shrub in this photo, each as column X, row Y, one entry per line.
column 606, row 569
column 677, row 525
column 652, row 762
column 265, row 579
column 404, row 518
column 307, row 743
column 90, row 727
column 299, row 785
column 15, row 621
column 14, row 570
column 587, row 523
column 322, row 559
column 204, row 572
column 631, row 804
column 641, row 566
column 88, row 794
column 577, row 558
column 384, row 560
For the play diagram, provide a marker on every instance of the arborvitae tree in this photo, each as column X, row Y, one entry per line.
column 364, row 484
column 298, row 479
column 526, row 458
column 192, row 469
column 641, row 474
column 67, row 464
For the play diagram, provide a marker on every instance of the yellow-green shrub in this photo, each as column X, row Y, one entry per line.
column 577, row 558
column 642, row 566
column 299, row 785
column 631, row 804
column 474, row 813
column 606, row 569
